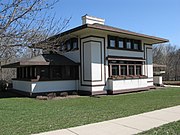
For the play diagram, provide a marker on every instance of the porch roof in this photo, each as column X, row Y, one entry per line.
column 42, row 60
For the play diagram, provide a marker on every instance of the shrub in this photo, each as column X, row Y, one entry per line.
column 63, row 94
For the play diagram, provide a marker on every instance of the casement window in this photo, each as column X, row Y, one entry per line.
column 138, row 70
column 57, row 72
column 131, row 70
column 70, row 45
column 115, row 70
column 74, row 44
column 128, row 44
column 124, row 43
column 137, row 45
column 120, row 43
column 43, row 72
column 125, row 68
column 48, row 73
column 112, row 42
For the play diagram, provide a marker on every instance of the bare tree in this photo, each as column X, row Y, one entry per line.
column 24, row 23
column 169, row 55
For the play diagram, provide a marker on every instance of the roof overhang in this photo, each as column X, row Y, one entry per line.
column 26, row 63
column 115, row 31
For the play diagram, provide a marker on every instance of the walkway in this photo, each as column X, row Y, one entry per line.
column 124, row 126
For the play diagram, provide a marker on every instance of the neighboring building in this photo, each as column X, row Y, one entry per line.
column 102, row 59
column 158, row 71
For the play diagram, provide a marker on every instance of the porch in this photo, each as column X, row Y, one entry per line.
column 127, row 85
column 45, row 73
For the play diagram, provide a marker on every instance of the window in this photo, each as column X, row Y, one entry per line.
column 137, row 44
column 57, row 72
column 131, row 70
column 128, row 44
column 43, row 72
column 138, row 70
column 115, row 69
column 68, row 46
column 74, row 43
column 120, row 43
column 112, row 42
column 123, row 70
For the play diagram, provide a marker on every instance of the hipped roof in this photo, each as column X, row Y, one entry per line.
column 153, row 39
column 43, row 60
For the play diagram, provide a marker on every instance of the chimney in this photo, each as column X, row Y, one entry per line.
column 86, row 19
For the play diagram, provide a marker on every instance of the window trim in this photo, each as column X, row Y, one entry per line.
column 132, row 41
column 120, row 39
column 120, row 74
column 109, row 41
column 71, row 41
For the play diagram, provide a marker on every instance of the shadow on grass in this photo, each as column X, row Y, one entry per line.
column 9, row 94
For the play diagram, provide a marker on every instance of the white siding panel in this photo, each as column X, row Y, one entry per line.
column 87, row 61
column 124, row 53
column 149, row 63
column 45, row 86
column 127, row 84
column 96, row 61
column 48, row 86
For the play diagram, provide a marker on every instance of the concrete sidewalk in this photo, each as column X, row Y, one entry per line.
column 124, row 126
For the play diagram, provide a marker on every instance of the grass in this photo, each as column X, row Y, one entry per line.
column 21, row 116
column 167, row 129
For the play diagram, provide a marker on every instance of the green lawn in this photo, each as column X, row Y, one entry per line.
column 27, row 115
column 168, row 129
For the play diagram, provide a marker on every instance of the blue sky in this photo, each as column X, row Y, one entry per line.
column 153, row 17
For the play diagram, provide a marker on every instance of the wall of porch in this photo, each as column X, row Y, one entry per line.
column 45, row 86
column 127, row 84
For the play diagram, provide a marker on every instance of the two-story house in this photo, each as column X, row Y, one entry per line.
column 99, row 59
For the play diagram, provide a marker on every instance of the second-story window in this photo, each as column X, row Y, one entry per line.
column 112, row 42
column 68, row 45
column 124, row 43
column 74, row 43
column 120, row 43
column 128, row 44
column 71, row 44
column 137, row 45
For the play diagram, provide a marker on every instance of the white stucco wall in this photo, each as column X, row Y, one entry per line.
column 45, row 86
column 92, row 62
column 127, row 84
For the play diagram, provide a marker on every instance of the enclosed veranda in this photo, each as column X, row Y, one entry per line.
column 45, row 73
